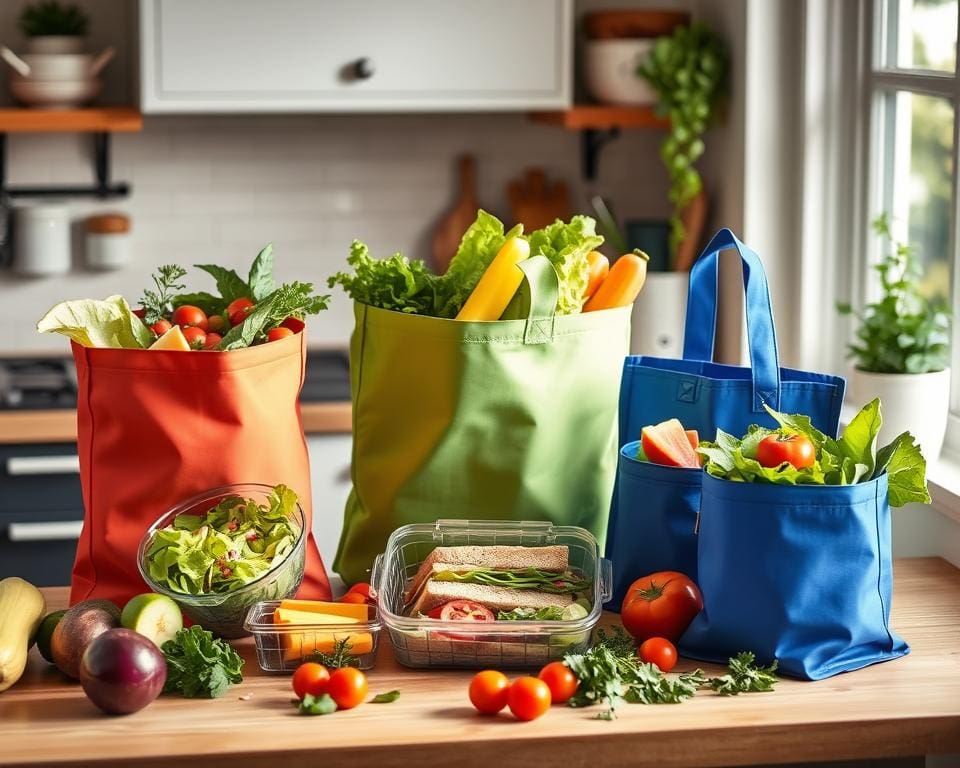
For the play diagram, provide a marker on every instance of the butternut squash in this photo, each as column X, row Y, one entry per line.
column 499, row 282
column 21, row 610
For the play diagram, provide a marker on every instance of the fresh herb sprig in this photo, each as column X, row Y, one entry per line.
column 295, row 300
column 316, row 705
column 200, row 665
column 340, row 656
column 159, row 303
column 745, row 676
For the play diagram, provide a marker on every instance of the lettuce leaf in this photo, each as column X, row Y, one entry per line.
column 567, row 246
column 95, row 323
column 395, row 283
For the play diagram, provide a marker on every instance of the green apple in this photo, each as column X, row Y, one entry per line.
column 154, row 616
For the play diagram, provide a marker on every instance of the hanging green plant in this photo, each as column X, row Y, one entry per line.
column 688, row 71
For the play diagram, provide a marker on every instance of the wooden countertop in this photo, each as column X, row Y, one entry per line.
column 60, row 426
column 910, row 706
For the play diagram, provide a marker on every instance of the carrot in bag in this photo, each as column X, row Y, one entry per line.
column 622, row 284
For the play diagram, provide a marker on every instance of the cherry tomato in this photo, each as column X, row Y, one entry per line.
column 660, row 605
column 161, row 327
column 560, row 680
column 465, row 610
column 196, row 337
column 488, row 691
column 659, row 651
column 528, row 698
column 353, row 597
column 189, row 316
column 310, row 678
column 238, row 309
column 776, row 449
column 295, row 324
column 140, row 312
column 347, row 687
column 217, row 323
column 212, row 340
column 280, row 332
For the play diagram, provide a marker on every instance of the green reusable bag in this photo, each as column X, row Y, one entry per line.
column 505, row 420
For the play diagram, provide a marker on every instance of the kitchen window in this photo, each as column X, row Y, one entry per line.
column 910, row 131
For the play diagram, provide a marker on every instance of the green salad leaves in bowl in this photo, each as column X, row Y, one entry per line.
column 218, row 553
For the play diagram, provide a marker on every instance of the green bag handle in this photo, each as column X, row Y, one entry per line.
column 543, row 288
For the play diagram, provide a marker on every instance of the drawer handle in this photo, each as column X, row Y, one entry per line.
column 69, row 529
column 43, row 465
column 363, row 68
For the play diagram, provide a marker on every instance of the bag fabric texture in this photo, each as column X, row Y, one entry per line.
column 704, row 396
column 802, row 574
column 665, row 541
column 504, row 420
column 157, row 427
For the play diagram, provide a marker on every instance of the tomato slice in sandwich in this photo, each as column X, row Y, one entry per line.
column 464, row 610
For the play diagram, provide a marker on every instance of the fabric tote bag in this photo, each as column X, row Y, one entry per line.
column 505, row 420
column 156, row 427
column 704, row 396
column 801, row 574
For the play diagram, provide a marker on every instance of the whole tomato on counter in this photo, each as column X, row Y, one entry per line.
column 560, row 680
column 661, row 605
column 528, row 698
column 310, row 678
column 348, row 687
column 488, row 691
column 660, row 652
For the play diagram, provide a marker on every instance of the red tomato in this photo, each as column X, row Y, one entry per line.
column 659, row 651
column 362, row 588
column 353, row 597
column 776, row 449
column 189, row 316
column 274, row 334
column 465, row 610
column 347, row 687
column 161, row 327
column 488, row 691
column 660, row 605
column 212, row 340
column 310, row 678
column 238, row 309
column 217, row 323
column 196, row 337
column 434, row 613
column 528, row 698
column 560, row 680
column 295, row 324
column 140, row 312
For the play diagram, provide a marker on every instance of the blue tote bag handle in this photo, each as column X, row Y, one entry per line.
column 701, row 327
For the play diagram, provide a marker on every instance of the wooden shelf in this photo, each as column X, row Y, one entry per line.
column 93, row 120
column 596, row 117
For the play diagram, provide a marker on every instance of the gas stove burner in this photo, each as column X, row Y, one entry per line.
column 37, row 383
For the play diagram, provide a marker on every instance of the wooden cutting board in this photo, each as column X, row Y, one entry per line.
column 450, row 228
column 535, row 202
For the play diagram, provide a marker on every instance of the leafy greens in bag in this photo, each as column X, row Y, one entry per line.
column 402, row 285
column 853, row 458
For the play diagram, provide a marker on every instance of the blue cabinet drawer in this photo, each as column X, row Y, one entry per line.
column 39, row 478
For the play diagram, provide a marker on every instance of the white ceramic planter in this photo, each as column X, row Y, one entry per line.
column 916, row 402
column 659, row 314
column 610, row 71
column 56, row 44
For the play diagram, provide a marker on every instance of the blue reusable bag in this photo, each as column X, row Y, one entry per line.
column 705, row 396
column 666, row 540
column 802, row 574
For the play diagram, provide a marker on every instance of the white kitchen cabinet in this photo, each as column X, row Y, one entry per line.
column 209, row 56
column 330, row 485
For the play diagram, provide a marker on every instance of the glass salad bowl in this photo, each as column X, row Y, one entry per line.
column 211, row 574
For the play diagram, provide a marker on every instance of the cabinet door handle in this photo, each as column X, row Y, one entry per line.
column 363, row 68
column 69, row 529
column 43, row 465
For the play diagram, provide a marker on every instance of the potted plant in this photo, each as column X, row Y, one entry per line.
column 687, row 70
column 901, row 352
column 54, row 27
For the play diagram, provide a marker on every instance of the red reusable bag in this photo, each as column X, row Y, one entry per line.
column 155, row 427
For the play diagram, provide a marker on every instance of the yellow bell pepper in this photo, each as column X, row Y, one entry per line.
column 499, row 283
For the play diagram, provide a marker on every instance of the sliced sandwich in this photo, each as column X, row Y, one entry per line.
column 507, row 581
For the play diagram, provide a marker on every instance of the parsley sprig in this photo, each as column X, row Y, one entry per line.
column 200, row 665
column 159, row 303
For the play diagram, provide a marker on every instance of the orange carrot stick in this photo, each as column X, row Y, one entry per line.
column 623, row 283
column 599, row 267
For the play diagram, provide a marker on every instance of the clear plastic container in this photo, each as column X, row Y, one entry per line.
column 223, row 613
column 284, row 647
column 497, row 644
